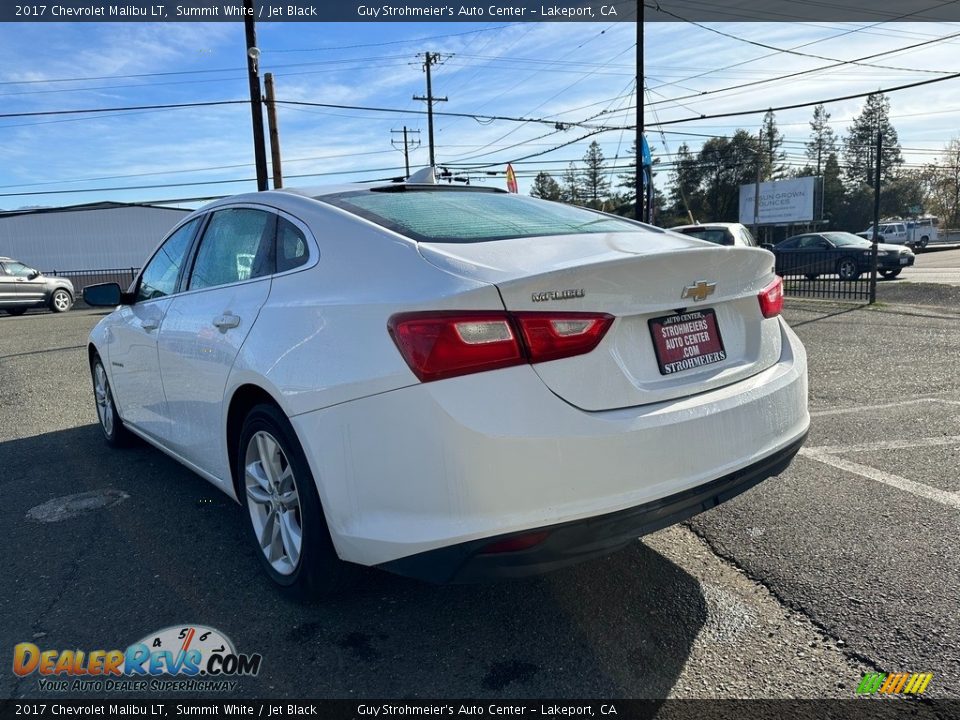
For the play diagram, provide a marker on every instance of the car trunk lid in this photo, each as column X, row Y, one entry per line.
column 690, row 295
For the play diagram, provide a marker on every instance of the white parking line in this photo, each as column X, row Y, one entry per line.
column 904, row 444
column 925, row 491
column 885, row 406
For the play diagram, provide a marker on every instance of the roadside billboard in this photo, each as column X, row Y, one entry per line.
column 781, row 201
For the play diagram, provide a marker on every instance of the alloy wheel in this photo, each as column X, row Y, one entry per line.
column 61, row 301
column 101, row 391
column 273, row 502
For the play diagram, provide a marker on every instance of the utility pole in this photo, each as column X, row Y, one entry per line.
column 638, row 212
column 274, row 132
column 430, row 59
column 407, row 144
column 256, row 100
column 876, row 220
column 756, row 188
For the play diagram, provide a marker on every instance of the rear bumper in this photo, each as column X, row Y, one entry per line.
column 572, row 542
column 464, row 461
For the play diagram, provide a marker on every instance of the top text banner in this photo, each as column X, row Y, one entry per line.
column 322, row 11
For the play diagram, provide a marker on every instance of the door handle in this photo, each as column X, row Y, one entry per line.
column 226, row 321
column 149, row 325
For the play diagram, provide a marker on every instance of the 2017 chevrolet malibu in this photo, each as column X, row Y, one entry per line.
column 451, row 383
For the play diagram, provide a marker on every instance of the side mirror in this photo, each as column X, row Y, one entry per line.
column 103, row 295
column 767, row 246
column 34, row 274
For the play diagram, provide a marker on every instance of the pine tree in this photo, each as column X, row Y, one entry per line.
column 594, row 184
column 823, row 140
column 833, row 193
column 544, row 186
column 628, row 179
column 859, row 146
column 773, row 166
column 570, row 189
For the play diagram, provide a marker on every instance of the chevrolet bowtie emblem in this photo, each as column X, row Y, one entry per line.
column 698, row 291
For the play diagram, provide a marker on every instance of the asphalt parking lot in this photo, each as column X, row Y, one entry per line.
column 846, row 563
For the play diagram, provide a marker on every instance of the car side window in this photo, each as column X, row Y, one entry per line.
column 747, row 237
column 18, row 269
column 291, row 246
column 789, row 244
column 237, row 245
column 159, row 277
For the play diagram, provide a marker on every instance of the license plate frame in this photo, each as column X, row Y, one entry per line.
column 669, row 347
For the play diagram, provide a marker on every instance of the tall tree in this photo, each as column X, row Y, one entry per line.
column 594, row 184
column 726, row 164
column 859, row 146
column 544, row 186
column 833, row 191
column 570, row 187
column 823, row 140
column 942, row 180
column 628, row 178
column 685, row 197
column 773, row 166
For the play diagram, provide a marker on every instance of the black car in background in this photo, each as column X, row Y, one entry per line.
column 837, row 253
column 22, row 288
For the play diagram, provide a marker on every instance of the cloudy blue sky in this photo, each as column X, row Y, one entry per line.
column 559, row 71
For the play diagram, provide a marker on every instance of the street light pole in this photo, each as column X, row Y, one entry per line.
column 256, row 99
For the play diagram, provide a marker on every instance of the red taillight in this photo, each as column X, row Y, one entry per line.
column 444, row 344
column 771, row 298
column 550, row 336
column 515, row 543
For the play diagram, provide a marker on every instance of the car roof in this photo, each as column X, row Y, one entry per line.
column 726, row 225
column 322, row 191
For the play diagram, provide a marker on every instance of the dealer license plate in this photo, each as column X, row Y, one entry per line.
column 687, row 341
column 904, row 261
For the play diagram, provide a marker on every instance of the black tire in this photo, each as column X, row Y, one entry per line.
column 811, row 276
column 16, row 311
column 112, row 427
column 317, row 571
column 61, row 300
column 848, row 269
column 890, row 274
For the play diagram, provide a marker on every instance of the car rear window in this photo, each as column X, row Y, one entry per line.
column 462, row 216
column 718, row 236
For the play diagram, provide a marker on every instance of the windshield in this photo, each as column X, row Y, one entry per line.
column 451, row 215
column 842, row 238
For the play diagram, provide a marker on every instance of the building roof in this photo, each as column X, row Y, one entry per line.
column 106, row 205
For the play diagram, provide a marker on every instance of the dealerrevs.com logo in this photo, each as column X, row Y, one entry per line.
column 180, row 658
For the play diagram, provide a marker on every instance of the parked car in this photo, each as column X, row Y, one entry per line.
column 451, row 383
column 22, row 288
column 719, row 233
column 838, row 253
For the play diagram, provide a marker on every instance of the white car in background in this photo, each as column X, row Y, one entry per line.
column 452, row 383
column 719, row 233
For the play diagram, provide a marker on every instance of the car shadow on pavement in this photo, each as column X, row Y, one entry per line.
column 176, row 551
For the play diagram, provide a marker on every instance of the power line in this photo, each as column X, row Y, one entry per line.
column 395, row 42
column 794, row 106
column 811, row 70
column 473, row 116
column 127, row 107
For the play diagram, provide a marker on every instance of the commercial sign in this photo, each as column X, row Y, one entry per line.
column 781, row 201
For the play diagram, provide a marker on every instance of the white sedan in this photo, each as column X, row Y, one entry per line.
column 451, row 383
